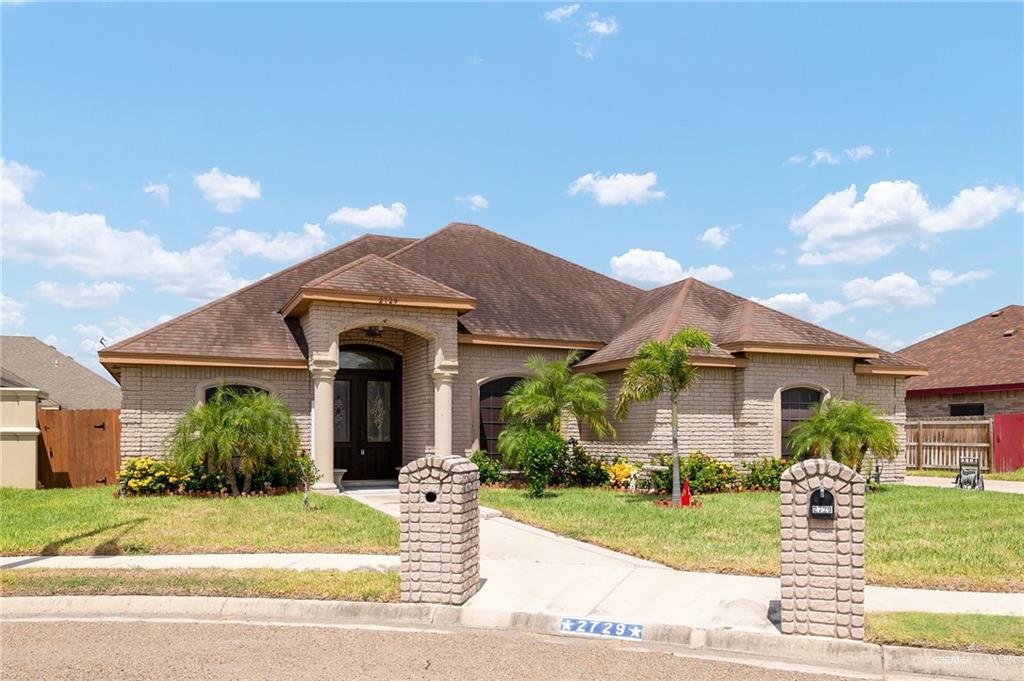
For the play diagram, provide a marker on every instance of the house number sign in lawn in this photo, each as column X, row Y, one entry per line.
column 582, row 626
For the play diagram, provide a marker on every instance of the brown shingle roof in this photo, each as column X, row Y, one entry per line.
column 247, row 324
column 65, row 381
column 373, row 274
column 987, row 351
column 730, row 320
column 520, row 291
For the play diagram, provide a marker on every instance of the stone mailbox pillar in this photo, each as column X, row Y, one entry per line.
column 822, row 506
column 440, row 530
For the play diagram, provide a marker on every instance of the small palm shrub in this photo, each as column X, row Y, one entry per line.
column 577, row 468
column 765, row 474
column 844, row 430
column 706, row 474
column 533, row 450
column 490, row 469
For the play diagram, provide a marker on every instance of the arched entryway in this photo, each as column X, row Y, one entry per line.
column 368, row 413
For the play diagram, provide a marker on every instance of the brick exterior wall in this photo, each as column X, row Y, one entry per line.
column 822, row 561
column 439, row 530
column 937, row 406
column 153, row 398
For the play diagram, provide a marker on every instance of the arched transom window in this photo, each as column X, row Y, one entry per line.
column 797, row 404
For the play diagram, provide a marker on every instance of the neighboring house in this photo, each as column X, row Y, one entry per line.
column 66, row 383
column 976, row 369
column 386, row 348
column 18, row 430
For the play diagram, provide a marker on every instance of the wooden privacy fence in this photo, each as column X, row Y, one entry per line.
column 941, row 444
column 79, row 447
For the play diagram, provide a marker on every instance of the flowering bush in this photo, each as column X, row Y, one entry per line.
column 764, row 474
column 577, row 468
column 146, row 475
column 620, row 472
column 706, row 474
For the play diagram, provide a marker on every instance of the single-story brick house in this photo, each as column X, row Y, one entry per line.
column 976, row 369
column 387, row 348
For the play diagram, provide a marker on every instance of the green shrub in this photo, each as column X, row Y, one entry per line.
column 533, row 450
column 490, row 469
column 706, row 474
column 146, row 475
column 577, row 468
column 764, row 473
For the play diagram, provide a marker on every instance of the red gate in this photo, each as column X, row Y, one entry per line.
column 1008, row 438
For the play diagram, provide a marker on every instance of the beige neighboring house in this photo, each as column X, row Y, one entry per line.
column 976, row 369
column 388, row 348
column 34, row 375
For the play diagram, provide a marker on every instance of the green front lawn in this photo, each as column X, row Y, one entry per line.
column 915, row 536
column 976, row 633
column 94, row 521
column 1013, row 476
column 243, row 583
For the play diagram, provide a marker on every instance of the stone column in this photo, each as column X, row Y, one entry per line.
column 822, row 520
column 439, row 522
column 323, row 424
column 443, row 379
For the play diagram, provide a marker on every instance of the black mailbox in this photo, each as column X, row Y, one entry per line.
column 823, row 504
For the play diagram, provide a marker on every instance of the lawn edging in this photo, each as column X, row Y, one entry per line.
column 840, row 654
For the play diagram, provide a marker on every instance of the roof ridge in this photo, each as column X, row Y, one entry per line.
column 374, row 256
column 238, row 292
column 527, row 246
column 959, row 326
column 675, row 310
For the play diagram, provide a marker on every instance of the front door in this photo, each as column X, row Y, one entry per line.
column 367, row 414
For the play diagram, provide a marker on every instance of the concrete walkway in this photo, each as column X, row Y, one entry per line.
column 529, row 569
column 1007, row 486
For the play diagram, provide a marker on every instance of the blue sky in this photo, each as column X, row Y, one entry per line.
column 856, row 165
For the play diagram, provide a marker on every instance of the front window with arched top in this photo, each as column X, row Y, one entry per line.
column 231, row 389
column 366, row 358
column 797, row 406
column 492, row 399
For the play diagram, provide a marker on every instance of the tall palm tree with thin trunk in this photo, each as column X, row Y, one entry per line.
column 553, row 389
column 663, row 368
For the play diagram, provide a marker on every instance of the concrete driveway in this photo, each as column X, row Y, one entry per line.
column 1006, row 486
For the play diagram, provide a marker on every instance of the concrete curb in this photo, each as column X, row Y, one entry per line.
column 836, row 653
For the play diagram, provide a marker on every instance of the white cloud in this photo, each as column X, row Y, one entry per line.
column 859, row 153
column 883, row 339
column 375, row 217
column 646, row 267
column 95, row 294
column 803, row 306
column 97, row 336
column 655, row 268
column 85, row 243
column 160, row 190
column 619, row 188
column 839, row 228
column 819, row 156
column 780, row 251
column 560, row 14
column 716, row 237
column 602, row 26
column 227, row 192
column 281, row 247
column 796, row 159
column 944, row 278
column 12, row 314
column 891, row 291
column 474, row 201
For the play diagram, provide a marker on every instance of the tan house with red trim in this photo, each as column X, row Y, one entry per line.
column 388, row 348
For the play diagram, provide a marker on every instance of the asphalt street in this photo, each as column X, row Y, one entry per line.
column 190, row 650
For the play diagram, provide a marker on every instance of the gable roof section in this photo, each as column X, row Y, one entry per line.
column 371, row 277
column 521, row 292
column 246, row 325
column 984, row 353
column 64, row 381
column 735, row 325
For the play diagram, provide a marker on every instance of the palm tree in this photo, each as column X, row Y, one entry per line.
column 660, row 368
column 844, row 430
column 553, row 389
column 247, row 431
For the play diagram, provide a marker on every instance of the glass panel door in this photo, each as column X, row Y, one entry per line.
column 342, row 402
column 378, row 411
